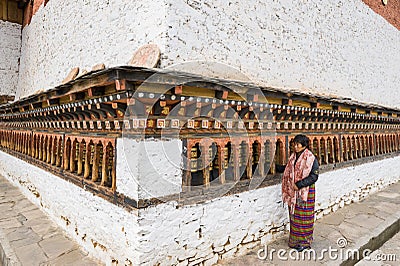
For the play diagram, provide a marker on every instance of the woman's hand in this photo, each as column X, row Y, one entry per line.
column 295, row 187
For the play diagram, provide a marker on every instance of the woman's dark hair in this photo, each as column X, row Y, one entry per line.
column 302, row 139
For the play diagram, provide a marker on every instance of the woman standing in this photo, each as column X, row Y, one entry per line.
column 298, row 191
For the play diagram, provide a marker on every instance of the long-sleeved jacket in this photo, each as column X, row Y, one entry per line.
column 309, row 180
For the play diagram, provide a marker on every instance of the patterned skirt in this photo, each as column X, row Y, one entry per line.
column 302, row 221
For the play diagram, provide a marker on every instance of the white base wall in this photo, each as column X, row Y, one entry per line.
column 10, row 43
column 201, row 232
column 149, row 168
column 106, row 231
column 169, row 234
column 352, row 184
column 229, row 226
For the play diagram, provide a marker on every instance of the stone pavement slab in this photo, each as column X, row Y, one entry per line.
column 29, row 237
column 360, row 227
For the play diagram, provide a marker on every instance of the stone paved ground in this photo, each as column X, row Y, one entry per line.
column 365, row 224
column 29, row 237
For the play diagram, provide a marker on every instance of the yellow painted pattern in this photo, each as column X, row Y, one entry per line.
column 274, row 100
column 301, row 104
column 325, row 106
column 194, row 91
column 344, row 109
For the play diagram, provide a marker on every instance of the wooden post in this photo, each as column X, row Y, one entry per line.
column 40, row 152
column 67, row 150
column 87, row 160
column 21, row 143
column 351, row 147
column 221, row 172
column 261, row 160
column 187, row 169
column 356, row 147
column 18, row 142
column 344, row 150
column 318, row 151
column 373, row 144
column 206, row 164
column 377, row 145
column 58, row 156
column 113, row 170
column 96, row 161
column 249, row 163
column 384, row 142
column 331, row 148
column 366, row 146
column 387, row 144
column 5, row 9
column 271, row 156
column 49, row 146
column 72, row 157
column 236, row 168
column 340, row 149
column 32, row 146
column 53, row 151
column 104, row 166
column 80, row 158
column 44, row 149
column 25, row 144
column 325, row 150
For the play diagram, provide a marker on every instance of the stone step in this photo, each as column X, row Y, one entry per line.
column 387, row 254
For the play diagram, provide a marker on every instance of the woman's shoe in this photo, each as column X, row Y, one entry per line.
column 301, row 248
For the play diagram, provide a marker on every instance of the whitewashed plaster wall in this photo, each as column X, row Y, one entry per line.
column 332, row 47
column 82, row 33
column 149, row 168
column 229, row 226
column 10, row 43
